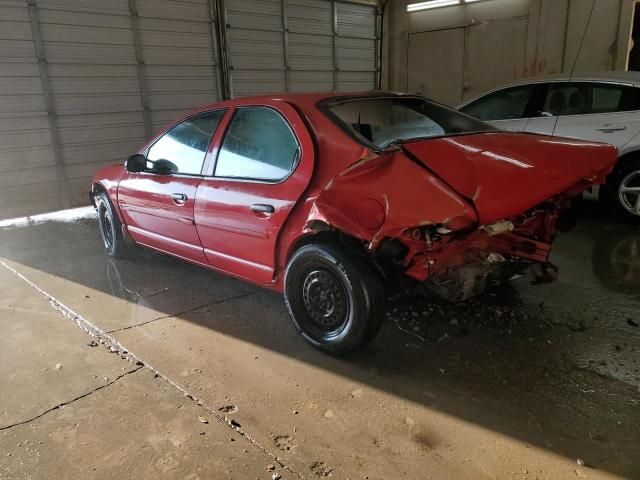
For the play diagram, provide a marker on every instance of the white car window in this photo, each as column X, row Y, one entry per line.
column 566, row 99
column 614, row 98
column 582, row 98
column 507, row 104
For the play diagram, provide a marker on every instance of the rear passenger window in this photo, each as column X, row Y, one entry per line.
column 183, row 148
column 566, row 99
column 606, row 99
column 507, row 104
column 581, row 98
column 258, row 145
column 615, row 98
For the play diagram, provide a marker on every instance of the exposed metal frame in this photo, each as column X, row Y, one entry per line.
column 215, row 49
column 285, row 43
column 334, row 27
column 45, row 84
column 226, row 65
column 140, row 67
column 567, row 19
column 378, row 48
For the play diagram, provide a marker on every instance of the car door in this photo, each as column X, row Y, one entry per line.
column 507, row 109
column 158, row 208
column 600, row 112
column 263, row 165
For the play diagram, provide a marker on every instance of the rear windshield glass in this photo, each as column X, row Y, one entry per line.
column 386, row 120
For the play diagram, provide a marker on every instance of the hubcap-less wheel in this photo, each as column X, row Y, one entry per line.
column 629, row 193
column 326, row 300
column 334, row 296
column 106, row 227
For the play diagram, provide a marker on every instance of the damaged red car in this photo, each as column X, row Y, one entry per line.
column 336, row 200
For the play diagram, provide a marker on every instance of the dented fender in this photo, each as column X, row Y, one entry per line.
column 382, row 195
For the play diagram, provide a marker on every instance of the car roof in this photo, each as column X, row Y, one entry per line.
column 607, row 76
column 303, row 98
column 614, row 76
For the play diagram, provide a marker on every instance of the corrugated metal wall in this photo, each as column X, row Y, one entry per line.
column 28, row 173
column 84, row 82
column 301, row 45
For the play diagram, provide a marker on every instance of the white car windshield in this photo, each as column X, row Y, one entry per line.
column 382, row 121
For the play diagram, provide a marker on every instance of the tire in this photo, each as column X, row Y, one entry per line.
column 624, row 203
column 115, row 244
column 335, row 298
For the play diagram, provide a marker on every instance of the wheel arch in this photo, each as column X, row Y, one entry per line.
column 324, row 234
column 97, row 188
column 631, row 154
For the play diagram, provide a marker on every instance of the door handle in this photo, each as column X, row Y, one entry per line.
column 611, row 129
column 179, row 198
column 262, row 208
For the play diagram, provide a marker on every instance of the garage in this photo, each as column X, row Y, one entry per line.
column 319, row 238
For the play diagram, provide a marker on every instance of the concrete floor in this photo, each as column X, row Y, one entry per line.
column 524, row 382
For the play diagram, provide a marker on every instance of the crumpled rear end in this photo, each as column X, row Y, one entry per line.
column 445, row 224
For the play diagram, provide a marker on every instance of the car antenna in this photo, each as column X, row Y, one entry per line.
column 575, row 62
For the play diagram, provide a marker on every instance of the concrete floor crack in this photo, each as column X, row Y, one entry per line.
column 116, row 347
column 69, row 402
column 208, row 304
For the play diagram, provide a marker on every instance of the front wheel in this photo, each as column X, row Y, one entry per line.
column 335, row 298
column 114, row 242
column 622, row 191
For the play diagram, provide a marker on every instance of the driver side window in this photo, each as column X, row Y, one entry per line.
column 183, row 148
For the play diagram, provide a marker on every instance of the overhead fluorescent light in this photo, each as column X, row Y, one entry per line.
column 416, row 7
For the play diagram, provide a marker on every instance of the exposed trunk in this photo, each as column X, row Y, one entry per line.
column 505, row 174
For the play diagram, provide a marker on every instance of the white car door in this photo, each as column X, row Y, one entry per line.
column 514, row 125
column 589, row 111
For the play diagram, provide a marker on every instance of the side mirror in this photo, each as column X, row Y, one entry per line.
column 136, row 163
column 164, row 167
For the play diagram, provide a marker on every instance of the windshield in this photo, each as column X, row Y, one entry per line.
column 382, row 121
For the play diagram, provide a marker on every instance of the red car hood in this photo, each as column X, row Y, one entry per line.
column 505, row 174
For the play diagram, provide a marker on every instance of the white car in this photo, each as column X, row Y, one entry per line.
column 603, row 107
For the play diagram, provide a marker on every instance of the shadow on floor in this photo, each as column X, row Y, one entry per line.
column 555, row 366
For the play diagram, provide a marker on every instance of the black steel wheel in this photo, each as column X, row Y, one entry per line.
column 335, row 298
column 110, row 228
column 326, row 300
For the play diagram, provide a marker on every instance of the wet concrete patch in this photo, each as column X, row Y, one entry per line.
column 115, row 293
column 496, row 387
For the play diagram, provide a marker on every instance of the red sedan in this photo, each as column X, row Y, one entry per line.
column 336, row 199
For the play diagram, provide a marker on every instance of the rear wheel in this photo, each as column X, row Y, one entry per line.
column 110, row 228
column 335, row 298
column 622, row 192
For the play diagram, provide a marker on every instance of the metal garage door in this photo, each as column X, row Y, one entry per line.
column 84, row 82
column 28, row 173
column 300, row 45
